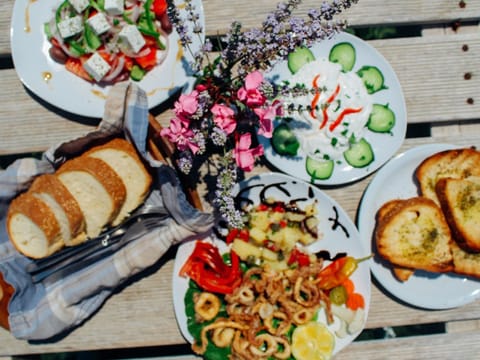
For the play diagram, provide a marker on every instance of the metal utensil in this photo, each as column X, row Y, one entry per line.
column 135, row 226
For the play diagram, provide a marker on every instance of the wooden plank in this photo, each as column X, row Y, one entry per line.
column 366, row 12
column 219, row 14
column 430, row 69
column 34, row 125
column 443, row 346
column 142, row 311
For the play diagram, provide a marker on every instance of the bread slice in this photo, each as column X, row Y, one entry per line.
column 66, row 209
column 415, row 235
column 457, row 164
column 460, row 201
column 401, row 273
column 96, row 187
column 123, row 158
column 32, row 227
column 465, row 263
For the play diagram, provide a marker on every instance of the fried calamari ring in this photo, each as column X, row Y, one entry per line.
column 223, row 336
column 267, row 348
column 283, row 325
column 283, row 351
column 207, row 306
column 219, row 323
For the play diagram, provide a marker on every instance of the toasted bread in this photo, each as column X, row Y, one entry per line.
column 465, row 263
column 401, row 273
column 415, row 235
column 457, row 164
column 460, row 202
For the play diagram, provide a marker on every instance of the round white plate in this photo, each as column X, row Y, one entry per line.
column 384, row 145
column 425, row 290
column 340, row 235
column 57, row 86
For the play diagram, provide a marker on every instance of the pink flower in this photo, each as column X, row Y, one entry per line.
column 250, row 94
column 244, row 156
column 187, row 105
column 224, row 118
column 266, row 116
column 180, row 135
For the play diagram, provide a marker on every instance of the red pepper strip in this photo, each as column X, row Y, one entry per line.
column 316, row 97
column 325, row 117
column 296, row 256
column 334, row 95
column 206, row 267
column 340, row 117
column 327, row 104
column 242, row 234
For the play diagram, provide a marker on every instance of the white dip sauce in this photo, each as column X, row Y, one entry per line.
column 341, row 105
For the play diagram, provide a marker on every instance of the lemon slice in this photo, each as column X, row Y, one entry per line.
column 312, row 341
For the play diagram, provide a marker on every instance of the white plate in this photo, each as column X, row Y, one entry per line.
column 384, row 145
column 340, row 235
column 67, row 91
column 425, row 290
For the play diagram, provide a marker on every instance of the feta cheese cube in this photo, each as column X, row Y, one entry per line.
column 79, row 5
column 96, row 66
column 131, row 37
column 99, row 23
column 114, row 7
column 70, row 26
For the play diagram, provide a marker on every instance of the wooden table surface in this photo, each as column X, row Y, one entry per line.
column 438, row 65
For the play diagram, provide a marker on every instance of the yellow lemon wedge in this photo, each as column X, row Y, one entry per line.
column 312, row 341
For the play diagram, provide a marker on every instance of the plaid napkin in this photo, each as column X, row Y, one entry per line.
column 41, row 311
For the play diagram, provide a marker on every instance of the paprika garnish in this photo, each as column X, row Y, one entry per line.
column 340, row 117
column 316, row 97
column 206, row 267
column 338, row 271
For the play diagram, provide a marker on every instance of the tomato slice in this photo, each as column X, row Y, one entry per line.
column 159, row 7
column 75, row 66
column 148, row 61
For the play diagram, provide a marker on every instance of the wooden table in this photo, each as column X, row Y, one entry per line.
column 439, row 70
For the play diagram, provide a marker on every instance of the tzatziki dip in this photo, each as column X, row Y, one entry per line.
column 334, row 112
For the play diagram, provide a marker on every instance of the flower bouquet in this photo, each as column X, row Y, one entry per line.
column 216, row 125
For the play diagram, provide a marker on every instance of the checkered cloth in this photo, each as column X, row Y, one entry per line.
column 41, row 311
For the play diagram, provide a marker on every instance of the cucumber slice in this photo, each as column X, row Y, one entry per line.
column 319, row 169
column 382, row 119
column 359, row 154
column 372, row 78
column 344, row 54
column 284, row 141
column 298, row 58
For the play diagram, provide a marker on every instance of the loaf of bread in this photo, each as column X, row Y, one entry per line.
column 457, row 164
column 460, row 202
column 86, row 194
column 415, row 235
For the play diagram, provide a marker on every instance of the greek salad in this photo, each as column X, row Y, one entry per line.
column 108, row 41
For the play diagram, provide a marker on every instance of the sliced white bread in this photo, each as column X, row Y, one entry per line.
column 96, row 187
column 66, row 209
column 457, row 163
column 460, row 201
column 124, row 160
column 415, row 235
column 33, row 227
